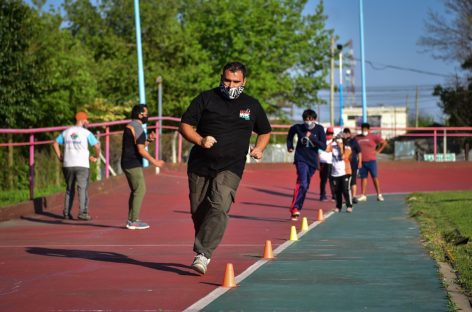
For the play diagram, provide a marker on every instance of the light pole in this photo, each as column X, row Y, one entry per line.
column 139, row 51
column 364, row 96
column 159, row 113
column 340, row 51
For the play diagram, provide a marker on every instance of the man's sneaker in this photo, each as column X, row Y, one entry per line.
column 323, row 198
column 200, row 263
column 362, row 198
column 84, row 216
column 336, row 210
column 349, row 209
column 294, row 217
column 137, row 225
column 380, row 197
column 355, row 200
column 68, row 217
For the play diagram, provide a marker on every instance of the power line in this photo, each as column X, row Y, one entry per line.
column 379, row 66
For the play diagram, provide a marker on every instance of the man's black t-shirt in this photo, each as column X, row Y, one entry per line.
column 130, row 157
column 231, row 123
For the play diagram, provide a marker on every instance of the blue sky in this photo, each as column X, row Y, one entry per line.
column 391, row 31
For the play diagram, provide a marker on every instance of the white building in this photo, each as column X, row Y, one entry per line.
column 392, row 119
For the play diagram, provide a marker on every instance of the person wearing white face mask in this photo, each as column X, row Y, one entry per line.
column 371, row 144
column 311, row 137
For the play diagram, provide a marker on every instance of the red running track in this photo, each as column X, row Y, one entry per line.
column 48, row 264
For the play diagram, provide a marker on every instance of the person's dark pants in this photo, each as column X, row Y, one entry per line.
column 342, row 188
column 325, row 176
column 304, row 174
column 76, row 176
column 137, row 185
column 354, row 169
column 210, row 202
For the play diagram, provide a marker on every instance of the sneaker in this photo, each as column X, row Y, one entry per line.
column 323, row 198
column 336, row 210
column 84, row 216
column 295, row 212
column 137, row 225
column 355, row 200
column 349, row 209
column 68, row 217
column 200, row 263
column 294, row 217
column 380, row 197
column 362, row 198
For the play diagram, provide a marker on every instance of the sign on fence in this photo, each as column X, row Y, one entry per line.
column 440, row 157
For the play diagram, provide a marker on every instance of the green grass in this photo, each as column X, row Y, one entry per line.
column 446, row 221
column 13, row 197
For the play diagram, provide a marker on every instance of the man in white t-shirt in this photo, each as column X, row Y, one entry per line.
column 76, row 163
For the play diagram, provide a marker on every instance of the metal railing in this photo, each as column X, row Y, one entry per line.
column 435, row 133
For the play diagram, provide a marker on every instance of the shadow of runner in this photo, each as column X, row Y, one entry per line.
column 62, row 221
column 109, row 257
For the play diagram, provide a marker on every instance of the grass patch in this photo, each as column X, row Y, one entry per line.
column 12, row 197
column 445, row 221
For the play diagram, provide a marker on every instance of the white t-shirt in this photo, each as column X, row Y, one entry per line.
column 76, row 140
column 326, row 157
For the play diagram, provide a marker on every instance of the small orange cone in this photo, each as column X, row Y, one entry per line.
column 268, row 250
column 320, row 215
column 293, row 233
column 304, row 224
column 229, row 281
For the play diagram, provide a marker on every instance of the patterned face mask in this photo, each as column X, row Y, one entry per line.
column 231, row 93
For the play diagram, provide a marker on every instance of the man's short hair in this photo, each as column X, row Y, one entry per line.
column 234, row 67
column 347, row 130
column 137, row 109
column 309, row 113
column 365, row 125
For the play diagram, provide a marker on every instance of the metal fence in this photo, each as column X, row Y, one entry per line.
column 421, row 144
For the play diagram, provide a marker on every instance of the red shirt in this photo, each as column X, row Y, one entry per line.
column 368, row 146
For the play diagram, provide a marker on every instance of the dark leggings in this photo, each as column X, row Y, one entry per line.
column 342, row 188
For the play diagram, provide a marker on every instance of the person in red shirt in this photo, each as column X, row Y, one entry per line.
column 371, row 144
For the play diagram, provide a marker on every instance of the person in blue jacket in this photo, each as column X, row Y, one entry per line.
column 311, row 137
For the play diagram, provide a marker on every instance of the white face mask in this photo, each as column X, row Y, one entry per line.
column 310, row 124
column 365, row 133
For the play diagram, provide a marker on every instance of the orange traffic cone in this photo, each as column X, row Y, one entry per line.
column 320, row 215
column 268, row 250
column 229, row 281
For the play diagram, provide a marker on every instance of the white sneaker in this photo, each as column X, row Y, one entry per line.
column 200, row 263
column 380, row 197
column 362, row 198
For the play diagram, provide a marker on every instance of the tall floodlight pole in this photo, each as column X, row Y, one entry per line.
column 340, row 50
column 159, row 112
column 139, row 50
column 364, row 96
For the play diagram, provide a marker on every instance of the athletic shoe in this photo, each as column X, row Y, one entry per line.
column 336, row 210
column 294, row 217
column 137, row 225
column 362, row 198
column 323, row 198
column 200, row 263
column 355, row 200
column 68, row 217
column 349, row 209
column 84, row 216
column 380, row 197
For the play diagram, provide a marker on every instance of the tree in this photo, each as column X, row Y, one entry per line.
column 286, row 52
column 449, row 38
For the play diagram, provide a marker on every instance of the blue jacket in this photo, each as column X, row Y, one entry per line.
column 307, row 147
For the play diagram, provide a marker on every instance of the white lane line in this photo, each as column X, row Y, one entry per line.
column 121, row 245
column 212, row 296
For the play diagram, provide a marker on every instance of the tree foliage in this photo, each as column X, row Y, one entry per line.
column 54, row 63
column 449, row 38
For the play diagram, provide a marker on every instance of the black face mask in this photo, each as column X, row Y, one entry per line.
column 144, row 120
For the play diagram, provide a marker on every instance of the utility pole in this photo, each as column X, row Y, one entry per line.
column 340, row 51
column 417, row 107
column 364, row 96
column 331, row 85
